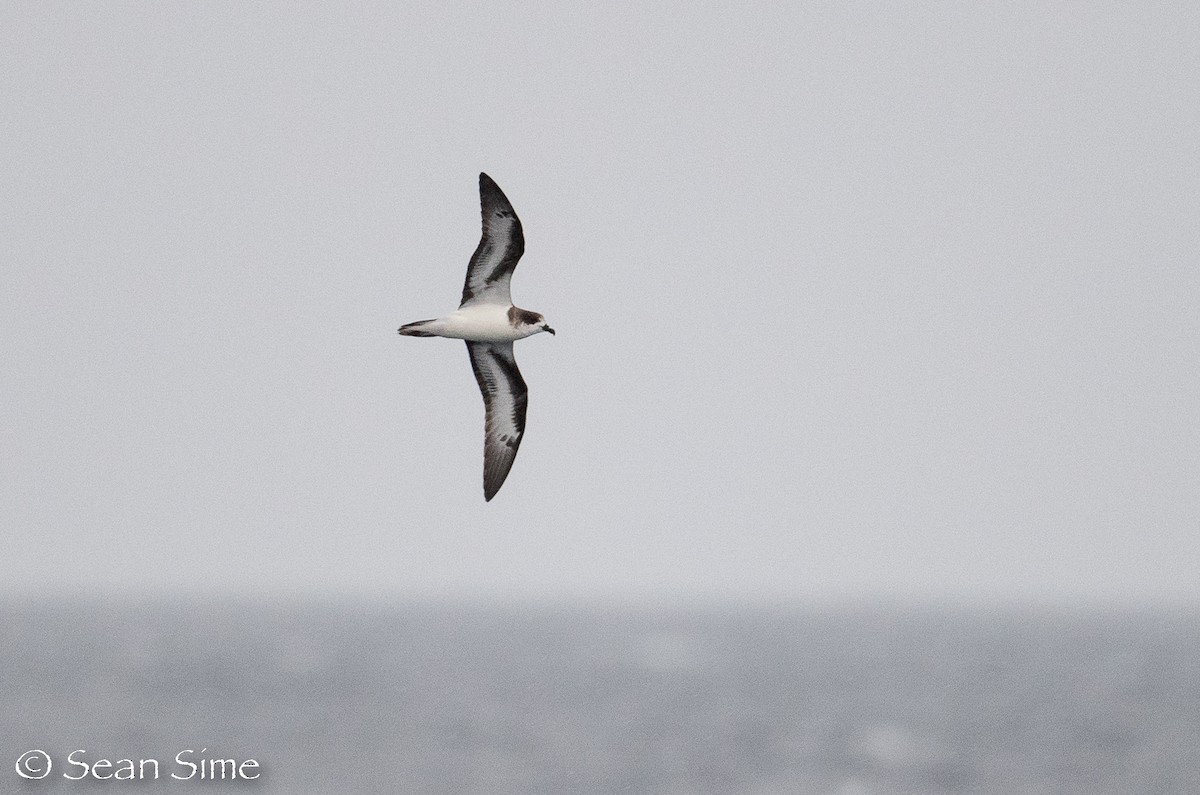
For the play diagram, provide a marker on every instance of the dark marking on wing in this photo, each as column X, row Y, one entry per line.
column 505, row 400
column 500, row 247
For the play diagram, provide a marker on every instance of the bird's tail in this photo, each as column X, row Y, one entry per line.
column 414, row 329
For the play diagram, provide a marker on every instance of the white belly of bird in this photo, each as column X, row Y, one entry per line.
column 481, row 323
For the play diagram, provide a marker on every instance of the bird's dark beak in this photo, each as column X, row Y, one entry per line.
column 548, row 329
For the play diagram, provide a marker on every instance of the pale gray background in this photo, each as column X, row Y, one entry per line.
column 854, row 300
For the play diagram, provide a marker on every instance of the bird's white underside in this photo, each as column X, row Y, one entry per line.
column 480, row 322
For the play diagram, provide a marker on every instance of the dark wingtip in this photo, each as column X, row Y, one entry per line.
column 493, row 199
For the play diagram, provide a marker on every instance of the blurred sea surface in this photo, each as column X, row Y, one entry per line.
column 452, row 698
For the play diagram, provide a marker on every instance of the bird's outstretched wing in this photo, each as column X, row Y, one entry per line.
column 496, row 256
column 505, row 398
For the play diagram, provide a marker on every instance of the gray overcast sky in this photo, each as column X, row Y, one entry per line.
column 853, row 299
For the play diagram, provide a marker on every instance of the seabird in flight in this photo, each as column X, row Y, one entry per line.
column 489, row 323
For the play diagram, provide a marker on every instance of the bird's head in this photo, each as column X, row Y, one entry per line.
column 529, row 322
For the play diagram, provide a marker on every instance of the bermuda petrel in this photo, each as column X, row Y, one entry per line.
column 489, row 323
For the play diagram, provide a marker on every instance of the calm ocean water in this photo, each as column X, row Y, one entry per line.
column 452, row 699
